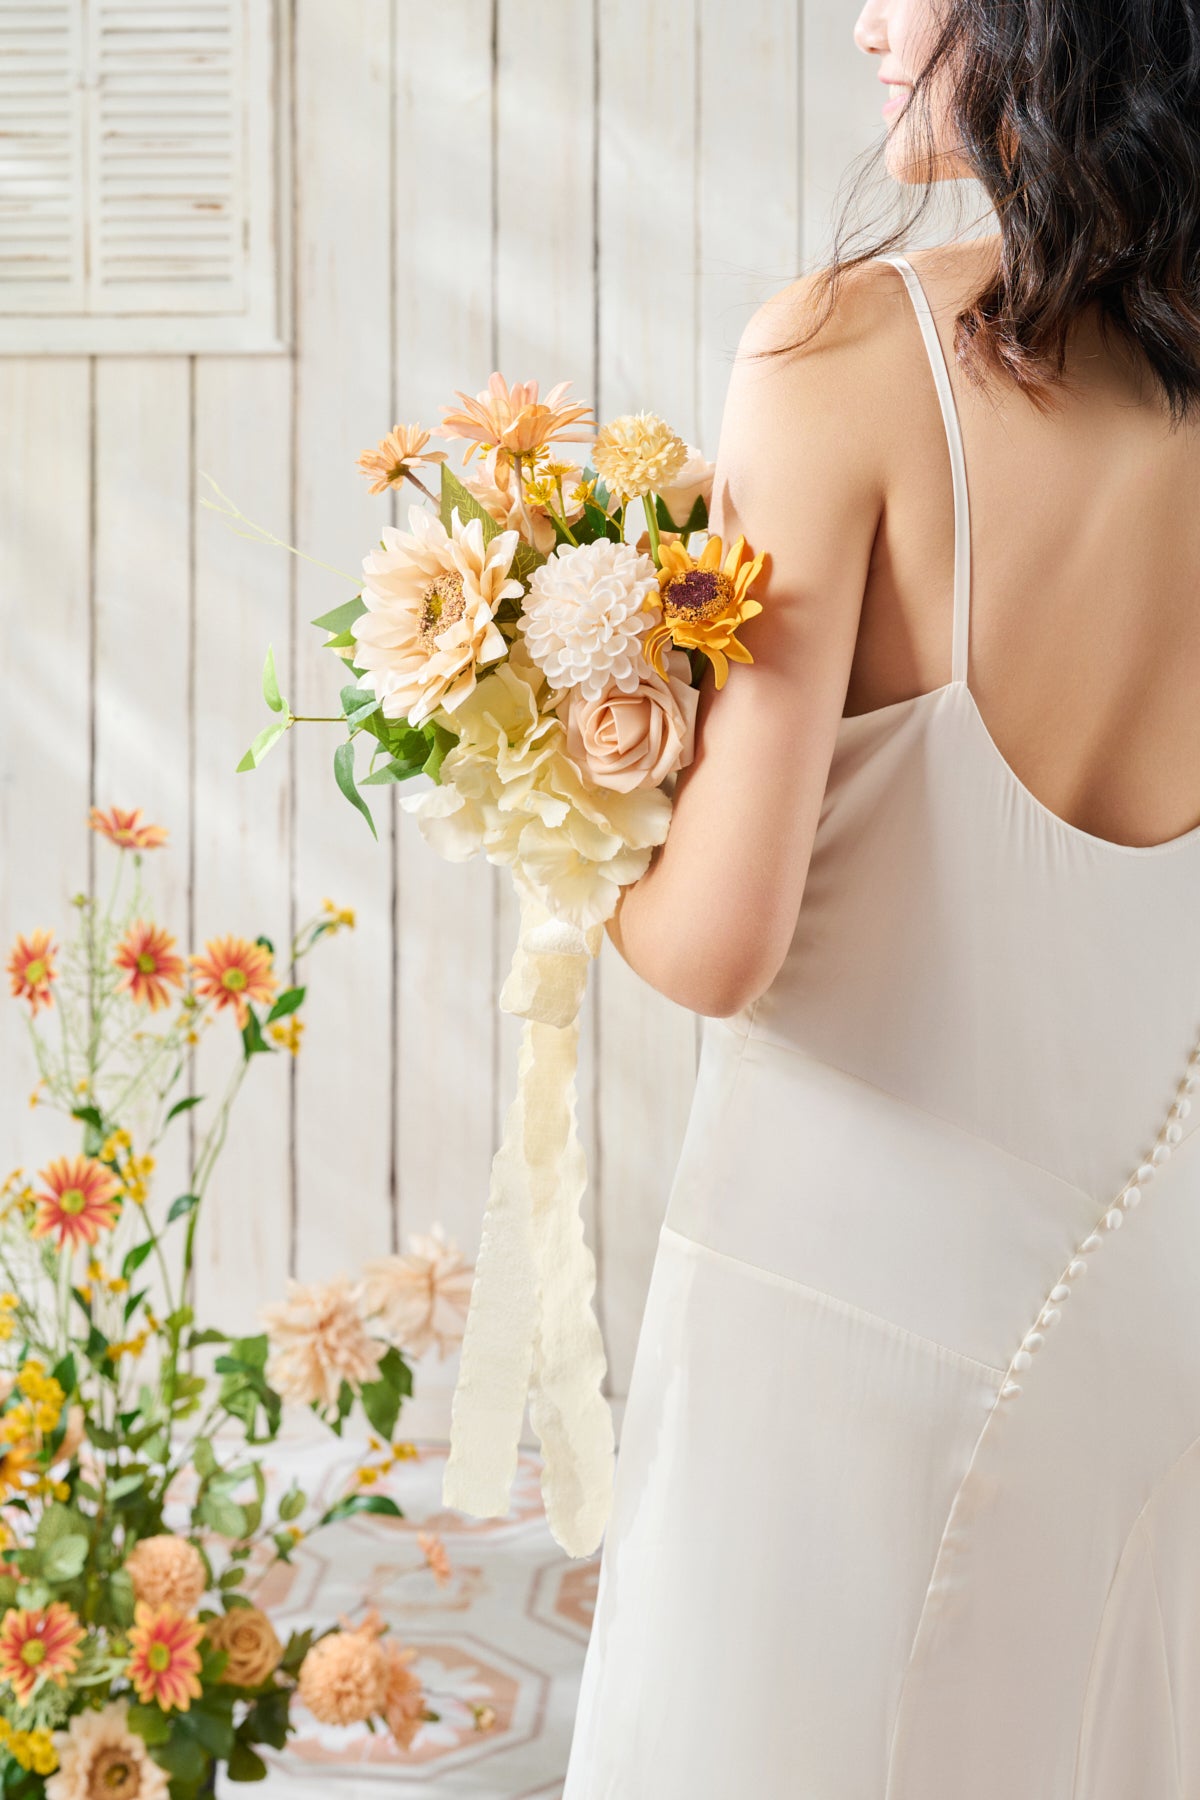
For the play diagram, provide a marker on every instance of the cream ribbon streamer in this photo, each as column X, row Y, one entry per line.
column 530, row 1329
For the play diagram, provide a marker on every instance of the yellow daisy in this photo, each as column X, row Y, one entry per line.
column 704, row 601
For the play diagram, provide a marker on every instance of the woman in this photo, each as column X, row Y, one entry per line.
column 908, row 1492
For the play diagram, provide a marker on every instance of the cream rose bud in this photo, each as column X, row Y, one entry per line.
column 632, row 740
column 694, row 480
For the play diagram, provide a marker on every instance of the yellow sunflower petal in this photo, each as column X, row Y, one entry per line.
column 710, row 556
column 675, row 559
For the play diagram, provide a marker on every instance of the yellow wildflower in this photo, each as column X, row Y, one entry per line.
column 8, row 1324
column 287, row 1032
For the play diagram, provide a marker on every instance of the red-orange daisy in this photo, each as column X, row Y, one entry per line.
column 148, row 959
column 79, row 1203
column 232, row 971
column 125, row 830
column 164, row 1662
column 39, row 1644
column 31, row 966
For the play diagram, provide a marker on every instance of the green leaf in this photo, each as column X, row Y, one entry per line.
column 268, row 736
column 65, row 1559
column 441, row 741
column 183, row 1105
column 362, row 1503
column 381, row 1403
column 180, row 1207
column 454, row 494
column 343, row 616
column 389, row 772
column 64, row 1373
column 270, row 682
column 210, row 1335
column 245, row 1764
column 135, row 1258
column 253, row 1041
column 224, row 1515
column 525, row 560
column 292, row 1503
column 287, row 1002
column 697, row 519
column 343, row 769
column 121, row 1598
column 358, row 704
column 152, row 1725
column 267, row 1720
column 204, row 1458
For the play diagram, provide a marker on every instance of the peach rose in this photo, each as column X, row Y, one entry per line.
column 626, row 741
column 249, row 1638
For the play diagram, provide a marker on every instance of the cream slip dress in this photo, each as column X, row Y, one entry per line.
column 907, row 1499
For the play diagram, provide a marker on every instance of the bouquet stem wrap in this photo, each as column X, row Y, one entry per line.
column 531, row 1330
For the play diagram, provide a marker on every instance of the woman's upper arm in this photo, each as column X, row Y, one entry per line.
column 798, row 475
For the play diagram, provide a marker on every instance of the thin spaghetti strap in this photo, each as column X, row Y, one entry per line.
column 958, row 467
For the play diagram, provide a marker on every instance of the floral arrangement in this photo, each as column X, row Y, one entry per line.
column 518, row 648
column 135, row 1516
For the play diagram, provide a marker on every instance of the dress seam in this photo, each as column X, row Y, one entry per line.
column 835, row 1300
column 1162, row 1638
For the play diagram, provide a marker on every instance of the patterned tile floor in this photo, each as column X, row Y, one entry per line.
column 508, row 1632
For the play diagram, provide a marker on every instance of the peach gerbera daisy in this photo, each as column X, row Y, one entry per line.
column 31, row 967
column 401, row 450
column 80, row 1201
column 164, row 1660
column 704, row 602
column 39, row 1644
column 125, row 830
column 99, row 1754
column 149, row 962
column 513, row 419
column 232, row 971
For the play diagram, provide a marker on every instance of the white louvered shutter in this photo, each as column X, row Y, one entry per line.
column 140, row 186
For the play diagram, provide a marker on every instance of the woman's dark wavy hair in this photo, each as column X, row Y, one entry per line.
column 1081, row 121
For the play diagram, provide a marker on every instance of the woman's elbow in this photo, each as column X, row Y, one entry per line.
column 718, row 986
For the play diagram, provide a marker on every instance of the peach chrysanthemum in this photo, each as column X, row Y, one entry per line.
column 167, row 1571
column 403, row 1700
column 251, row 1645
column 101, row 1758
column 80, row 1201
column 38, row 1644
column 125, row 830
column 343, row 1679
column 401, row 450
column 513, row 419
column 421, row 1297
column 704, row 602
column 232, row 972
column 164, row 1661
column 31, row 968
column 318, row 1340
column 638, row 454
column 147, row 957
column 431, row 597
column 435, row 1556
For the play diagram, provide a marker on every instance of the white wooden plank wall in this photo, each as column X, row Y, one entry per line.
column 601, row 191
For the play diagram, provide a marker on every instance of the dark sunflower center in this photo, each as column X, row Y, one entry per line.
column 698, row 595
column 444, row 603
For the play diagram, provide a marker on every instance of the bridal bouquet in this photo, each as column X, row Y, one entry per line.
column 517, row 647
column 135, row 1518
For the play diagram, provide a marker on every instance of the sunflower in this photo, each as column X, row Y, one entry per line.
column 31, row 967
column 232, row 971
column 147, row 957
column 125, row 830
column 39, row 1644
column 401, row 450
column 513, row 420
column 80, row 1202
column 164, row 1661
column 704, row 602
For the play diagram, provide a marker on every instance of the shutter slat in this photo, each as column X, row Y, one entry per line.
column 41, row 147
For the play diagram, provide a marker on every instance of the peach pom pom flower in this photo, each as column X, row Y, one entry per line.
column 167, row 1571
column 344, row 1677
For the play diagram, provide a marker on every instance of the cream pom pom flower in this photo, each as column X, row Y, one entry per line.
column 508, row 788
column 167, row 1571
column 421, row 1297
column 638, row 454
column 344, row 1678
column 318, row 1340
column 588, row 608
column 431, row 597
column 100, row 1754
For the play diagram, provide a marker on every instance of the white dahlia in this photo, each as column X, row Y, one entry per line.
column 431, row 598
column 100, row 1754
column 587, row 610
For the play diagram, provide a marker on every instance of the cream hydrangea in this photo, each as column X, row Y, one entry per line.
column 431, row 597
column 638, row 454
column 588, row 608
column 100, row 1754
column 509, row 789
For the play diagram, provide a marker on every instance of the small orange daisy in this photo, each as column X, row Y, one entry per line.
column 80, row 1202
column 435, row 1555
column 31, row 967
column 704, row 602
column 232, row 971
column 164, row 1662
column 125, row 830
column 149, row 962
column 39, row 1644
column 401, row 450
